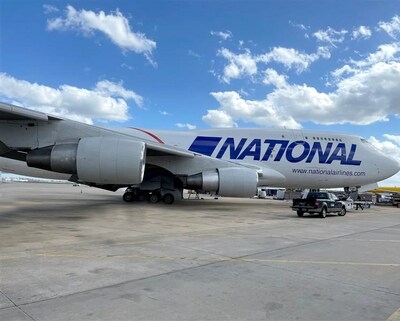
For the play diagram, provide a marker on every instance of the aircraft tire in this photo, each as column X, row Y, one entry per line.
column 168, row 198
column 154, row 198
column 141, row 197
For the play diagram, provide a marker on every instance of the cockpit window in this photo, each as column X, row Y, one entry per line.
column 370, row 145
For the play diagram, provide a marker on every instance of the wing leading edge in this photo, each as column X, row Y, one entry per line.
column 11, row 112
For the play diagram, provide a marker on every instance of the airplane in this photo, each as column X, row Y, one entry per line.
column 158, row 164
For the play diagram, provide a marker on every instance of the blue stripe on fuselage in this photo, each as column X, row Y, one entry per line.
column 204, row 145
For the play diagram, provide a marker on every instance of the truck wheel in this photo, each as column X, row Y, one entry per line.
column 128, row 197
column 342, row 211
column 300, row 213
column 323, row 212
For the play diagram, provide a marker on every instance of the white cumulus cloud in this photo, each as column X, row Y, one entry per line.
column 368, row 96
column 245, row 64
column 185, row 125
column 392, row 27
column 47, row 8
column 391, row 147
column 385, row 53
column 239, row 65
column 114, row 25
column 219, row 119
column 275, row 79
column 109, row 88
column 234, row 108
column 223, row 35
column 330, row 36
column 106, row 101
column 290, row 58
column 362, row 32
column 395, row 139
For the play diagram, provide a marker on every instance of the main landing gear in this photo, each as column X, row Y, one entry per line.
column 135, row 194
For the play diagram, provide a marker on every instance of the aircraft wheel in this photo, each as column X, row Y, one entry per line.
column 141, row 197
column 300, row 213
column 154, row 198
column 127, row 197
column 168, row 198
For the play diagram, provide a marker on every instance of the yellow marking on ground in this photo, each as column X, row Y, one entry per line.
column 395, row 316
column 217, row 259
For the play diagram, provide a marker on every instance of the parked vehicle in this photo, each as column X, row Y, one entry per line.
column 320, row 203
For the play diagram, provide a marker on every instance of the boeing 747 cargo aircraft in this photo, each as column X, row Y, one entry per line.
column 160, row 164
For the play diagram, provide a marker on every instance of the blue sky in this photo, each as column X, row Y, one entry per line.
column 327, row 65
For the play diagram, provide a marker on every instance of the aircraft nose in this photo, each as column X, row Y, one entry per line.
column 390, row 166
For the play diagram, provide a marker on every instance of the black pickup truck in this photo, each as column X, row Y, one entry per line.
column 319, row 202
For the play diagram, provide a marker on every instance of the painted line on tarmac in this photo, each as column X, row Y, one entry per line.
column 395, row 316
column 15, row 257
column 368, row 240
column 84, row 248
column 99, row 247
column 216, row 259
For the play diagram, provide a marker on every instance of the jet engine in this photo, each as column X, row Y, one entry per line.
column 98, row 160
column 231, row 181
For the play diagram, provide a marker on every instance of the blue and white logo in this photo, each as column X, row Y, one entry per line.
column 275, row 150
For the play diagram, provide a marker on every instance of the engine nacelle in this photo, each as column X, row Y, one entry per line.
column 231, row 182
column 99, row 160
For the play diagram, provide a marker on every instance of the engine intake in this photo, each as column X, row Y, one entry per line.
column 99, row 160
column 231, row 181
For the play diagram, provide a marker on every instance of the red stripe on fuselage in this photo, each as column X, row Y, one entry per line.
column 150, row 134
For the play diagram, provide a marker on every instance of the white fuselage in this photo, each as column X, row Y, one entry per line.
column 304, row 158
column 286, row 158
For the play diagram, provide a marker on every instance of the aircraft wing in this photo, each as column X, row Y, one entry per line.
column 155, row 149
column 14, row 113
column 10, row 112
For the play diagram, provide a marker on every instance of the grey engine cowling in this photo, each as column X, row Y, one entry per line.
column 230, row 181
column 99, row 160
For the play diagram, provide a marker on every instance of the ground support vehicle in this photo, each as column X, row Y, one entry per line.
column 320, row 203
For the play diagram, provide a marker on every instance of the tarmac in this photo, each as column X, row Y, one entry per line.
column 79, row 253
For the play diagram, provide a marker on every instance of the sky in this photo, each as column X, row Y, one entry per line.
column 184, row 65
